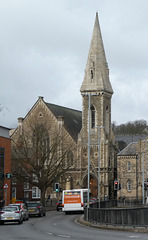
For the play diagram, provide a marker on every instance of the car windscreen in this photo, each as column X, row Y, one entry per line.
column 32, row 204
column 10, row 209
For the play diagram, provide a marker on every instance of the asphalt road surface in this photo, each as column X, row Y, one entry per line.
column 58, row 226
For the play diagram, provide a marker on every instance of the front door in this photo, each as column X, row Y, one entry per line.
column 93, row 186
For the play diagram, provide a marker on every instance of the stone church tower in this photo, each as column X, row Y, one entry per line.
column 96, row 132
column 87, row 134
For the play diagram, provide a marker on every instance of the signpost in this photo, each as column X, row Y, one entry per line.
column 5, row 187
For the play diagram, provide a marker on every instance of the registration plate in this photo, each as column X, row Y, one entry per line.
column 9, row 218
column 31, row 210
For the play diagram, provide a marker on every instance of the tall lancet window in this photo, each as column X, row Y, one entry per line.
column 92, row 117
column 92, row 75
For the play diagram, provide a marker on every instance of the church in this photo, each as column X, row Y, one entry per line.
column 89, row 132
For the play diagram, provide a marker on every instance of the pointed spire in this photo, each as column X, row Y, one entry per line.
column 96, row 73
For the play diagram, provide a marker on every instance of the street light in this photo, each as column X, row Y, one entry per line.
column 143, row 181
column 145, row 141
column 99, row 128
column 89, row 96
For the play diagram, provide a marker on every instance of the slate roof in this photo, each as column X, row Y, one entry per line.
column 72, row 118
column 127, row 138
column 129, row 150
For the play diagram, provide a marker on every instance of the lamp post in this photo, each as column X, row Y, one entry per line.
column 88, row 155
column 145, row 141
column 99, row 128
column 88, row 181
column 146, row 164
column 146, row 158
column 143, row 181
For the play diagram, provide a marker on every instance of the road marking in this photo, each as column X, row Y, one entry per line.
column 133, row 236
column 49, row 233
column 64, row 236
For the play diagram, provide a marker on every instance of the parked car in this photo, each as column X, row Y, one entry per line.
column 59, row 205
column 93, row 200
column 23, row 208
column 36, row 208
column 11, row 214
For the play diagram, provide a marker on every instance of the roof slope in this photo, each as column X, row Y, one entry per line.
column 130, row 150
column 72, row 118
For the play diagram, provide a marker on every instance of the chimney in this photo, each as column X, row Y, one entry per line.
column 20, row 124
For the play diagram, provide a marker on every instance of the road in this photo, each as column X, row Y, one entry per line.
column 58, row 226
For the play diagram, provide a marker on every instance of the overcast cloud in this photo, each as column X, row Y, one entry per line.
column 44, row 46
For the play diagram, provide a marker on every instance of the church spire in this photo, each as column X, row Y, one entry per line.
column 96, row 73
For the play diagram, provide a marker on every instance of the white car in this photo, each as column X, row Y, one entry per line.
column 23, row 208
column 11, row 214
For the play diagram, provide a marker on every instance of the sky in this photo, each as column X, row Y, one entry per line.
column 44, row 47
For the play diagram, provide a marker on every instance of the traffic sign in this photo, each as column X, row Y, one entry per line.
column 8, row 175
column 5, row 186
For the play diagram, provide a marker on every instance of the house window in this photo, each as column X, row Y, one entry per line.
column 26, row 185
column 36, row 192
column 2, row 154
column 35, row 178
column 92, row 117
column 26, row 195
column 129, row 186
column 1, row 160
column 13, row 192
column 129, row 166
column 14, row 180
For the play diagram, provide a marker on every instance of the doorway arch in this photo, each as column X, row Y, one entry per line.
column 93, row 185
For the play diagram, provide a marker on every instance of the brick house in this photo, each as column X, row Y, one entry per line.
column 5, row 163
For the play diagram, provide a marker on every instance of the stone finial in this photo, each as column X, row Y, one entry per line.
column 40, row 97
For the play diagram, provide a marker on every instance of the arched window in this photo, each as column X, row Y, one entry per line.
column 129, row 186
column 92, row 75
column 129, row 166
column 70, row 158
column 92, row 117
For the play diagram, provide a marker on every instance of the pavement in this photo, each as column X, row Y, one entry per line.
column 142, row 229
column 51, row 206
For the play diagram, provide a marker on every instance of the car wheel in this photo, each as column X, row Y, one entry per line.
column 41, row 214
column 20, row 222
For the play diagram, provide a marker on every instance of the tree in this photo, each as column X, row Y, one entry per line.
column 133, row 128
column 1, row 108
column 40, row 156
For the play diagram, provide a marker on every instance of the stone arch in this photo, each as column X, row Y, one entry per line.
column 93, row 184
